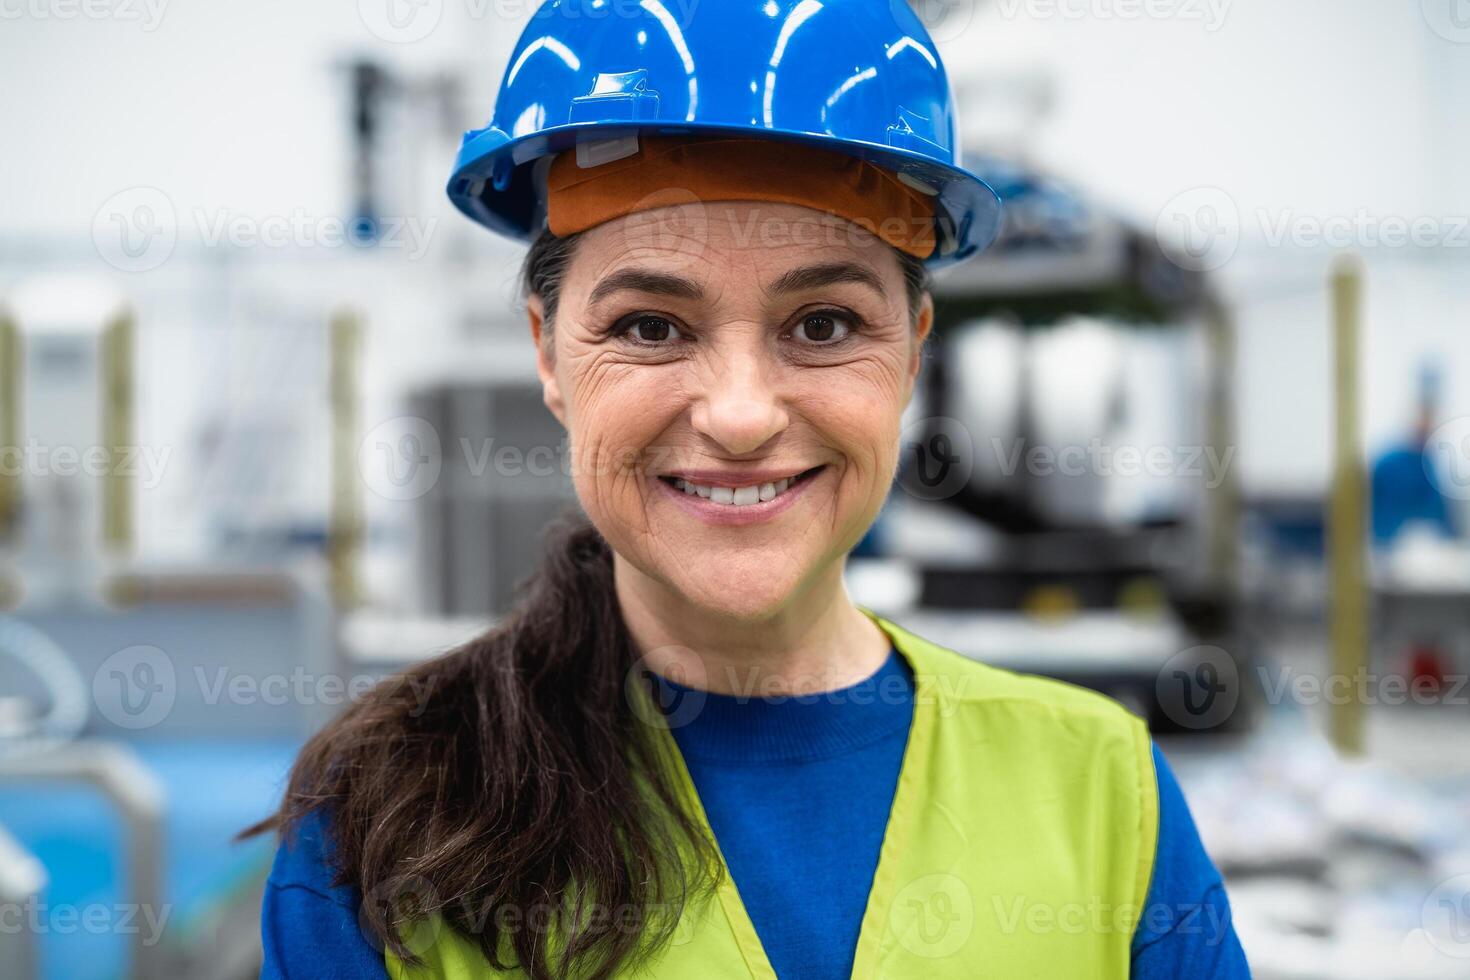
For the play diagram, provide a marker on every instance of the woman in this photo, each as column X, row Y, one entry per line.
column 687, row 753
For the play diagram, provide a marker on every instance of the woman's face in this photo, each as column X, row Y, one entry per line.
column 741, row 347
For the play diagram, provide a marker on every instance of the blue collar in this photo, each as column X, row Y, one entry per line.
column 738, row 730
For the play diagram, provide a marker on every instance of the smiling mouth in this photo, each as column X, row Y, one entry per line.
column 741, row 496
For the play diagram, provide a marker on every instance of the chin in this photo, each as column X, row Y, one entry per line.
column 751, row 595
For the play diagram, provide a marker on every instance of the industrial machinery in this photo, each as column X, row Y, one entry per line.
column 148, row 708
column 1066, row 501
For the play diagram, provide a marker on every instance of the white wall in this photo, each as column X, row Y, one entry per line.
column 222, row 104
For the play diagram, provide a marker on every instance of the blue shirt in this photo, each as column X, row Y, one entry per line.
column 1404, row 491
column 797, row 791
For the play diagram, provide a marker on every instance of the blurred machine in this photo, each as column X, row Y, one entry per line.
column 148, row 709
column 68, row 418
column 1421, row 566
column 1066, row 503
column 504, row 477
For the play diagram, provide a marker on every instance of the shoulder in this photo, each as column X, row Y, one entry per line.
column 305, row 858
column 1046, row 734
column 309, row 924
column 1186, row 928
column 961, row 680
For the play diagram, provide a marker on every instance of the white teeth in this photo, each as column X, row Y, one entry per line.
column 736, row 496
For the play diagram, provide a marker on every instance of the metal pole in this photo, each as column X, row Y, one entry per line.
column 1347, row 518
column 117, row 431
column 1223, row 501
column 346, row 522
column 10, row 468
column 22, row 880
column 120, row 775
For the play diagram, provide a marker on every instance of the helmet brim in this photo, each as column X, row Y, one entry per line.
column 494, row 184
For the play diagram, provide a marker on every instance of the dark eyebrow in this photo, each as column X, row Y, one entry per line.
column 645, row 281
column 813, row 276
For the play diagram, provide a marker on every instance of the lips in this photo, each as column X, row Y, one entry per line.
column 737, row 489
column 738, row 502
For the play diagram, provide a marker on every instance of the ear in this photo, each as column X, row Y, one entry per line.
column 545, row 361
column 922, row 325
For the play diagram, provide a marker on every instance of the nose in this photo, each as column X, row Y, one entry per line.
column 740, row 409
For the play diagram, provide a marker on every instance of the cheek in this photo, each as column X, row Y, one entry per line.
column 860, row 407
column 616, row 412
column 859, row 424
column 865, row 430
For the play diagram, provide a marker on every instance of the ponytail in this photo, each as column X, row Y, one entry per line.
column 510, row 777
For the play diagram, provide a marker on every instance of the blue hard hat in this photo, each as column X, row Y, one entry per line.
column 858, row 76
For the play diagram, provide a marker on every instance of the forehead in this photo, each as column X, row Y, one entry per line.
column 749, row 241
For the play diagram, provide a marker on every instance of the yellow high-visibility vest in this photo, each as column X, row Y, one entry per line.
column 1020, row 844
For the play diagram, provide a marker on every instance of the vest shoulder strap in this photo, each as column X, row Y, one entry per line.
column 1077, row 763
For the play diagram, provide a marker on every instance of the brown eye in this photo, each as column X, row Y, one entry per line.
column 651, row 330
column 824, row 329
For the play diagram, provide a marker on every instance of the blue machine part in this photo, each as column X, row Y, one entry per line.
column 859, row 76
column 214, row 788
column 1041, row 214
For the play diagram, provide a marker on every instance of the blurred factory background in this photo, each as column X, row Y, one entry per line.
column 1196, row 433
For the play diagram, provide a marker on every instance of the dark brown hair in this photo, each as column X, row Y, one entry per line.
column 511, row 786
